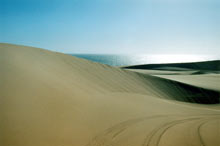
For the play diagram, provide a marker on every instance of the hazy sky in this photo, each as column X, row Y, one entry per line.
column 113, row 26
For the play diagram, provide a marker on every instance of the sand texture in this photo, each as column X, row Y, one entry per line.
column 53, row 99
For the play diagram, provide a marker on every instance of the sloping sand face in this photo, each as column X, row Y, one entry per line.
column 53, row 99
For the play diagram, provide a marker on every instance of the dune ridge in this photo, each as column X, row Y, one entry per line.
column 213, row 65
column 200, row 74
column 49, row 98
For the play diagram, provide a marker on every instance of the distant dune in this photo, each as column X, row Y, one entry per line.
column 201, row 74
column 52, row 99
column 201, row 66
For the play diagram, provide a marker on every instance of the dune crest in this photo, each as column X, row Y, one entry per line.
column 49, row 98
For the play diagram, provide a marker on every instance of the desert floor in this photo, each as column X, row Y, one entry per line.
column 53, row 99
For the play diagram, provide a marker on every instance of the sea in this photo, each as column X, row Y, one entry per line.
column 126, row 60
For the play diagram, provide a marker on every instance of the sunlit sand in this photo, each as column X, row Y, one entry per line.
column 53, row 99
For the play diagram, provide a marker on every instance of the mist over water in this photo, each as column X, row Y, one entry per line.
column 123, row 60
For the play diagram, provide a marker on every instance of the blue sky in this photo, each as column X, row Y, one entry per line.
column 113, row 26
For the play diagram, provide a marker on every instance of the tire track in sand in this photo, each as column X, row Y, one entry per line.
column 199, row 129
column 154, row 138
column 106, row 138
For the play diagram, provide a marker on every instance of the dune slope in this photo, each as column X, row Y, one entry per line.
column 49, row 98
column 202, row 66
column 200, row 74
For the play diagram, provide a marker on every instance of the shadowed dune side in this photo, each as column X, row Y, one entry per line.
column 205, row 75
column 126, row 81
column 180, row 91
column 201, row 66
column 206, row 81
column 102, row 78
column 49, row 98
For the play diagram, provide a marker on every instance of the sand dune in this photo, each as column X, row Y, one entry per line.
column 201, row 74
column 208, row 81
column 53, row 99
column 201, row 66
